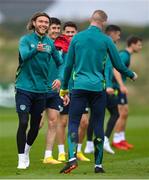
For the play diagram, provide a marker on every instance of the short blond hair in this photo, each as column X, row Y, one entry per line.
column 99, row 15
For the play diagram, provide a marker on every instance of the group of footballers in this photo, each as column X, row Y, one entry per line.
column 73, row 77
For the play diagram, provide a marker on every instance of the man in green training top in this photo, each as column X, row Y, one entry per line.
column 87, row 55
column 134, row 45
column 35, row 52
column 53, row 101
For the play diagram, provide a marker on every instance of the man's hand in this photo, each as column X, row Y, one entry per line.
column 64, row 95
column 40, row 46
column 135, row 76
column 66, row 100
column 56, row 84
column 110, row 91
column 124, row 89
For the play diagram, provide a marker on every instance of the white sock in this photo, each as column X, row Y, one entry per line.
column 48, row 153
column 122, row 134
column 90, row 144
column 27, row 148
column 100, row 165
column 72, row 159
column 106, row 140
column 61, row 148
column 21, row 157
column 117, row 137
column 79, row 147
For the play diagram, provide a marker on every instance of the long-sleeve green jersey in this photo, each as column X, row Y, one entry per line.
column 33, row 70
column 125, row 58
column 55, row 72
column 87, row 54
column 109, row 75
column 71, row 81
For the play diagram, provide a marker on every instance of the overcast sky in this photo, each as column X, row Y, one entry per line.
column 126, row 11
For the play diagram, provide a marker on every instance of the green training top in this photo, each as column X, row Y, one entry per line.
column 109, row 73
column 71, row 80
column 33, row 70
column 125, row 57
column 55, row 72
column 87, row 54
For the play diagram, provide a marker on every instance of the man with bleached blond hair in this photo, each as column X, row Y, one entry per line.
column 87, row 56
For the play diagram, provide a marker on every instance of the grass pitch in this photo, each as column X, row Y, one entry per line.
column 124, row 164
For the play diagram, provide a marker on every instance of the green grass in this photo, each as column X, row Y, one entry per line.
column 131, row 164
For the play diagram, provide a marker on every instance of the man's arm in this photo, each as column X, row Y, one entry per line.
column 108, row 73
column 117, row 62
column 57, row 57
column 68, row 65
column 25, row 50
column 118, row 78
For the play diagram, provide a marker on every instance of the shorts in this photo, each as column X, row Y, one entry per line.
column 112, row 100
column 122, row 98
column 29, row 102
column 65, row 109
column 53, row 101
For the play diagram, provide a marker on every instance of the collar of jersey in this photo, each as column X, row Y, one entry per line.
column 40, row 38
column 94, row 27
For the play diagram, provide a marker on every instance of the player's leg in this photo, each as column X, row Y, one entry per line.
column 82, row 132
column 53, row 103
column 123, row 115
column 42, row 119
column 61, row 133
column 76, row 109
column 97, row 104
column 110, row 125
column 52, row 116
column 122, row 127
column 89, row 148
column 114, row 114
column 36, row 111
column 112, row 107
column 23, row 103
column 119, row 130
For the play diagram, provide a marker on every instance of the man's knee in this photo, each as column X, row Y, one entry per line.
column 23, row 119
column 124, row 113
column 84, row 122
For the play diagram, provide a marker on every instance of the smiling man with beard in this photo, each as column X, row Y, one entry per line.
column 35, row 52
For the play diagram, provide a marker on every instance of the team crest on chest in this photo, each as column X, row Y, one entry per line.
column 32, row 45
